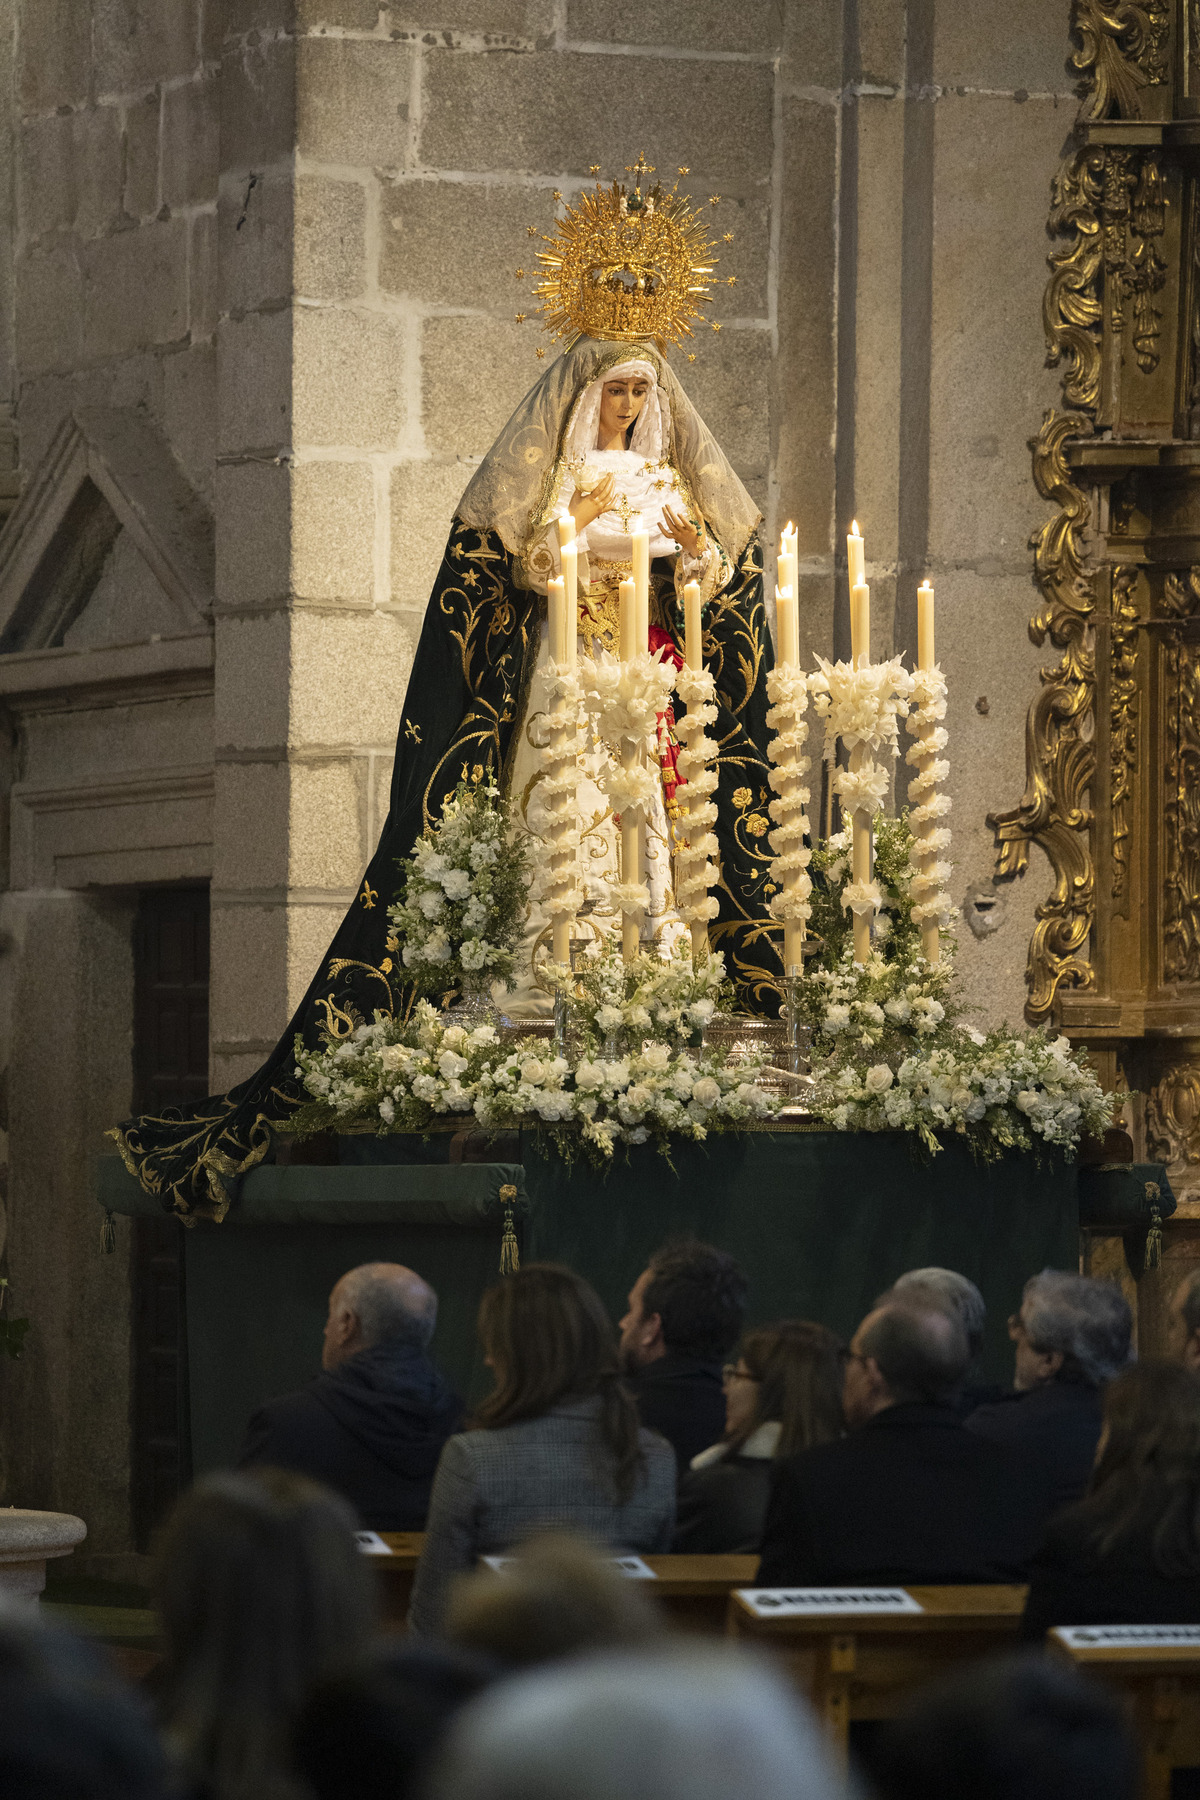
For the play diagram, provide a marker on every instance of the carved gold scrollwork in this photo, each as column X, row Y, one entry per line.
column 1181, row 807
column 1122, row 48
column 1181, row 593
column 1123, row 716
column 1055, row 808
column 1145, row 272
column 1173, row 1118
column 1072, row 309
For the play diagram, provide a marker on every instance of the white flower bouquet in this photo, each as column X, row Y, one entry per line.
column 461, row 910
column 405, row 1075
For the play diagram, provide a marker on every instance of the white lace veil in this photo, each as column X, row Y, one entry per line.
column 513, row 490
column 651, row 428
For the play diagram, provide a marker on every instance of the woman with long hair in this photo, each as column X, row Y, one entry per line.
column 556, row 1444
column 1129, row 1552
column 782, row 1395
column 261, row 1591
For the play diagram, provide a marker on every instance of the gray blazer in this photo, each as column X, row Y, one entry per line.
column 493, row 1488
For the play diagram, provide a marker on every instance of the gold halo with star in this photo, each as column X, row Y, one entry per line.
column 629, row 262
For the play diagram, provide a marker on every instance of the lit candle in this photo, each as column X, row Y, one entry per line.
column 570, row 576
column 787, row 626
column 640, row 557
column 855, row 556
column 627, row 614
column 860, row 623
column 692, row 632
column 925, row 656
column 557, row 612
column 786, row 571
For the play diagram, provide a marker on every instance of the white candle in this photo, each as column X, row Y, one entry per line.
column 627, row 614
column 787, row 626
column 785, row 575
column 925, row 656
column 855, row 556
column 566, row 528
column 570, row 577
column 860, row 623
column 692, row 630
column 640, row 558
column 557, row 612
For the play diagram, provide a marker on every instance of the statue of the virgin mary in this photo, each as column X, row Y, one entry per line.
column 607, row 432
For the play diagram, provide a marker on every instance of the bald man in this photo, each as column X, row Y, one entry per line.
column 373, row 1423
column 908, row 1495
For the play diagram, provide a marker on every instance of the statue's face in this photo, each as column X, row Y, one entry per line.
column 620, row 403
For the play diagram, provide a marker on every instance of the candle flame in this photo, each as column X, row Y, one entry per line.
column 854, row 531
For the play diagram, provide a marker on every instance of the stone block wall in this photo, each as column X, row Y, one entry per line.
column 114, row 140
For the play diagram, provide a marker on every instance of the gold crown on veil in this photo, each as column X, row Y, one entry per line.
column 627, row 262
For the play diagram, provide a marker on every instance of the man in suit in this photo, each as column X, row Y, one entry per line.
column 373, row 1423
column 685, row 1315
column 909, row 1495
column 1072, row 1335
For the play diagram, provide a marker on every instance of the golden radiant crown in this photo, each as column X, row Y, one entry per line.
column 627, row 262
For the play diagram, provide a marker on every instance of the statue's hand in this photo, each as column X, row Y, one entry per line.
column 586, row 507
column 680, row 527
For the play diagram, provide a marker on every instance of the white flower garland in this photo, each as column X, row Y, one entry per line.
column 695, row 874
column 623, row 701
column 555, row 857
column 926, row 805
column 787, row 688
column 861, row 706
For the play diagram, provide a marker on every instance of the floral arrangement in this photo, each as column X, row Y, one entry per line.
column 892, row 1053
column 404, row 1074
column 861, row 706
column 787, row 689
column 461, row 910
column 695, row 873
column 927, row 807
column 554, row 854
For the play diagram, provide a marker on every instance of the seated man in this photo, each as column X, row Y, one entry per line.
column 1183, row 1339
column 685, row 1315
column 1072, row 1336
column 373, row 1424
column 961, row 1297
column 910, row 1495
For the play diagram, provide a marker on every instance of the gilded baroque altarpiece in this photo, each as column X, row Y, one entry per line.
column 1113, row 738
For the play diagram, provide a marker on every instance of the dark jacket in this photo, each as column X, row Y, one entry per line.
column 722, row 1503
column 372, row 1429
column 1057, row 1425
column 911, row 1496
column 1069, row 1584
column 682, row 1398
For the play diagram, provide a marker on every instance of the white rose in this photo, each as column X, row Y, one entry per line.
column 533, row 1071
column 589, row 1076
column 639, row 1096
column 451, row 1064
column 453, row 1038
column 878, row 1079
column 394, row 1056
column 706, row 1092
column 482, row 1036
column 657, row 1057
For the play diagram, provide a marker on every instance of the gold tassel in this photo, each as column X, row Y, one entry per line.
column 510, row 1255
column 1154, row 1236
column 108, row 1234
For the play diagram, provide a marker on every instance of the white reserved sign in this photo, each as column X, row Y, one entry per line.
column 829, row 1602
column 631, row 1566
column 371, row 1544
column 1129, row 1637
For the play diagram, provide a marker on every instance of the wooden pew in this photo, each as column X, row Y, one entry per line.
column 1159, row 1682
column 692, row 1590
column 865, row 1665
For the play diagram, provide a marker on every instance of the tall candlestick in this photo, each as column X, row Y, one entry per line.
column 556, row 608
column 860, row 623
column 566, row 528
column 640, row 558
column 860, row 862
column 627, row 614
column 925, row 656
column 855, row 556
column 570, row 577
column 787, row 626
column 692, row 631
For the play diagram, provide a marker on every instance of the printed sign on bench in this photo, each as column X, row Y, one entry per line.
column 631, row 1566
column 371, row 1544
column 1129, row 1637
column 830, row 1602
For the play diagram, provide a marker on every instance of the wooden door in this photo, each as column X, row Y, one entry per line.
column 170, row 1062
